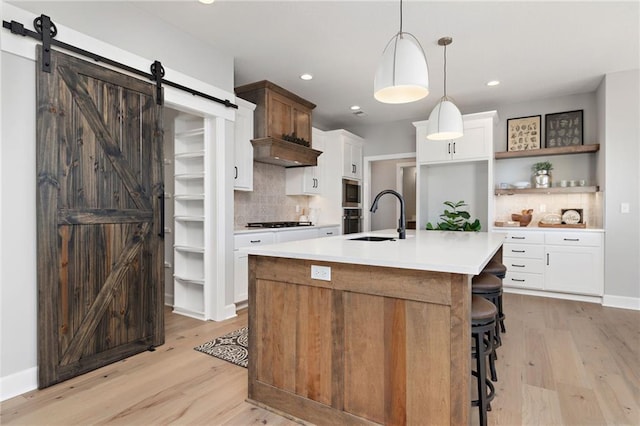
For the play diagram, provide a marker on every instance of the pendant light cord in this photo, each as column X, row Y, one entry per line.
column 445, row 70
column 400, row 16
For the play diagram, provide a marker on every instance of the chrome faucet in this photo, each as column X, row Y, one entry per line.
column 402, row 221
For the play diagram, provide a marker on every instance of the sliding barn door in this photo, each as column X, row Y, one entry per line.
column 99, row 218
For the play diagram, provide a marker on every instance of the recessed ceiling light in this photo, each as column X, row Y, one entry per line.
column 206, row 1
column 354, row 107
column 306, row 76
column 493, row 83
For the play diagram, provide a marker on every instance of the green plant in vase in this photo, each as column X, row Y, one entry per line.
column 455, row 219
column 542, row 174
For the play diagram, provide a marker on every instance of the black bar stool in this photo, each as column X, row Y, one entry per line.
column 483, row 323
column 489, row 286
column 496, row 268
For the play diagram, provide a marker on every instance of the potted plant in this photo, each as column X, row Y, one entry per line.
column 542, row 174
column 455, row 219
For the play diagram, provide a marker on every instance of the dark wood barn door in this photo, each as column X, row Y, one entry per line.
column 99, row 224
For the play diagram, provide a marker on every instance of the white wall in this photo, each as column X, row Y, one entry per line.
column 622, row 173
column 18, row 298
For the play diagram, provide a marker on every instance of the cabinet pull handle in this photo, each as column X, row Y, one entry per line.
column 449, row 148
column 236, row 170
column 161, row 199
column 518, row 238
column 518, row 280
column 572, row 239
column 517, row 266
column 329, row 233
column 518, row 251
column 547, row 259
column 454, row 147
column 255, row 241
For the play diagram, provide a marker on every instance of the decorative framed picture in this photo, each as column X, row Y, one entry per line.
column 523, row 133
column 563, row 129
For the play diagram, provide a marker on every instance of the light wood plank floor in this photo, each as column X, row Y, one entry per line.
column 561, row 362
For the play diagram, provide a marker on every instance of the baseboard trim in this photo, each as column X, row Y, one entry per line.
column 564, row 296
column 622, row 302
column 18, row 383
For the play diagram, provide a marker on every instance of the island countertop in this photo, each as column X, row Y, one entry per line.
column 440, row 251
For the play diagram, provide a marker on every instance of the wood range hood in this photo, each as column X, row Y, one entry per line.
column 279, row 113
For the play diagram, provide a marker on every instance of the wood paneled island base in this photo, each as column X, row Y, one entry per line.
column 375, row 345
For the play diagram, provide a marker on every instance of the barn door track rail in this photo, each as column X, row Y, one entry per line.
column 46, row 31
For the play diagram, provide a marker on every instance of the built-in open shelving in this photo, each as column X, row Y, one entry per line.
column 554, row 190
column 581, row 149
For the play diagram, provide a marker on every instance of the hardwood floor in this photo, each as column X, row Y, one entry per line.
column 561, row 362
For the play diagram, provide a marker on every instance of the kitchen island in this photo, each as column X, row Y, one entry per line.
column 365, row 332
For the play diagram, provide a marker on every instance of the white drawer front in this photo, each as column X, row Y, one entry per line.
column 297, row 235
column 525, row 237
column 530, row 251
column 523, row 280
column 573, row 238
column 329, row 232
column 521, row 264
column 247, row 240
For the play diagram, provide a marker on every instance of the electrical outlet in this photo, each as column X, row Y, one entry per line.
column 543, row 208
column 624, row 208
column 321, row 273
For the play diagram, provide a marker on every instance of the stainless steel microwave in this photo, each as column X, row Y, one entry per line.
column 351, row 193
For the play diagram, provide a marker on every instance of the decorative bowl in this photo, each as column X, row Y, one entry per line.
column 522, row 185
column 524, row 219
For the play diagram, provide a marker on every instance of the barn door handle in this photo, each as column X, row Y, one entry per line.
column 161, row 233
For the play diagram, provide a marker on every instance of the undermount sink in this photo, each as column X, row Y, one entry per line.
column 372, row 238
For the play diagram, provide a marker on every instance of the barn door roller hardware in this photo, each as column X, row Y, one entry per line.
column 46, row 31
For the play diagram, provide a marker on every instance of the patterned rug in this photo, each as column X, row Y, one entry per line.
column 231, row 347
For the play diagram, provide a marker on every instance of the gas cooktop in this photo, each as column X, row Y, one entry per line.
column 277, row 224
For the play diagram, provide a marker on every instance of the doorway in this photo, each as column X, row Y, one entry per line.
column 395, row 171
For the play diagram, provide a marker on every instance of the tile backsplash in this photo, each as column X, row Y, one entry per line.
column 267, row 202
column 591, row 203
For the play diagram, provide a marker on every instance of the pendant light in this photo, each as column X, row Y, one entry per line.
column 445, row 121
column 402, row 75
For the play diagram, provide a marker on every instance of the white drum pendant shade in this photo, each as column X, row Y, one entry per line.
column 402, row 75
column 445, row 122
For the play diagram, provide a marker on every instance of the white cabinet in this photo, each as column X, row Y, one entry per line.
column 574, row 263
column 241, row 265
column 243, row 149
column 241, row 261
column 352, row 157
column 475, row 144
column 522, row 254
column 566, row 262
column 461, row 169
column 308, row 180
column 189, row 216
column 328, row 231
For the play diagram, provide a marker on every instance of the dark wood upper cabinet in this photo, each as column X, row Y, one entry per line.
column 278, row 113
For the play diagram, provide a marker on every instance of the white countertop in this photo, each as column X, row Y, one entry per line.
column 245, row 230
column 441, row 251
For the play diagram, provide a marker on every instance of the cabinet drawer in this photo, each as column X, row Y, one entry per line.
column 525, row 237
column 516, row 264
column 297, row 235
column 530, row 251
column 523, row 280
column 329, row 232
column 246, row 240
column 573, row 238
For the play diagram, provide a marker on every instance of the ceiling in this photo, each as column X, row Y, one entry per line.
column 536, row 49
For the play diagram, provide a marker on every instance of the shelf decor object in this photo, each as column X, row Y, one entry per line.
column 542, row 174
column 523, row 133
column 402, row 75
column 445, row 121
column 564, row 129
